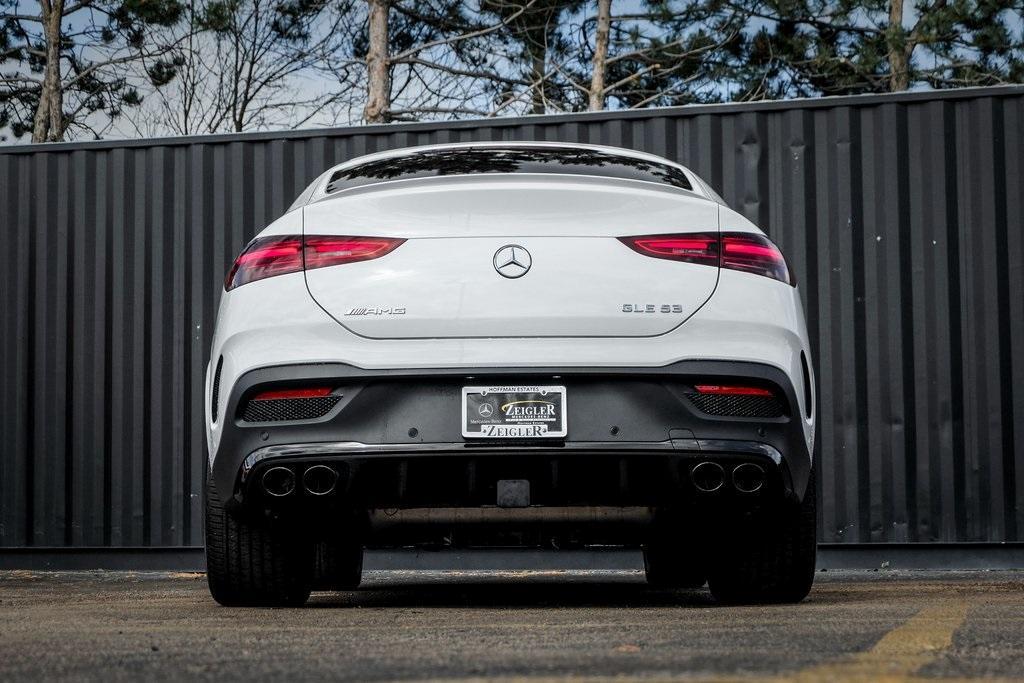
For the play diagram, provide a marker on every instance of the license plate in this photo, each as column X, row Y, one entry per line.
column 513, row 412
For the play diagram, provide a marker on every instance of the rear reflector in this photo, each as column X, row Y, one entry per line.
column 725, row 402
column 747, row 252
column 279, row 394
column 281, row 254
column 290, row 405
column 731, row 390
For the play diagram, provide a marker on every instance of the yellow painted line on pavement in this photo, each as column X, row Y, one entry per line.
column 899, row 654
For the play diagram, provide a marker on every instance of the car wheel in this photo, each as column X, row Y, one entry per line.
column 250, row 563
column 772, row 561
column 667, row 565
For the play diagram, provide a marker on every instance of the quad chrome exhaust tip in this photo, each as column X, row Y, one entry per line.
column 708, row 476
column 748, row 477
column 278, row 482
column 319, row 480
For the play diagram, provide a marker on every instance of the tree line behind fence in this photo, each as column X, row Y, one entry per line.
column 82, row 69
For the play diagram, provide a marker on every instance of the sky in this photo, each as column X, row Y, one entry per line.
column 146, row 121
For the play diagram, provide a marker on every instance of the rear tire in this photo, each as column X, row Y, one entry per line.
column 254, row 564
column 772, row 561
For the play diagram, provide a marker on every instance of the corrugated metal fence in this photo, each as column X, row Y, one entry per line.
column 902, row 216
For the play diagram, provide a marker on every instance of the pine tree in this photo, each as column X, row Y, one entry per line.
column 806, row 48
column 65, row 63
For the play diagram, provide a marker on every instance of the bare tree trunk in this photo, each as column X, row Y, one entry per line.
column 378, row 74
column 604, row 24
column 53, row 40
column 41, row 121
column 900, row 49
column 48, row 122
column 538, row 73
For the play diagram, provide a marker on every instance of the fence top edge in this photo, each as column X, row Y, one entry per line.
column 685, row 111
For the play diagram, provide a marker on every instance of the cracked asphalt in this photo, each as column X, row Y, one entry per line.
column 548, row 625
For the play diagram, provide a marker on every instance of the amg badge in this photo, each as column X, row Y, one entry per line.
column 380, row 310
column 652, row 308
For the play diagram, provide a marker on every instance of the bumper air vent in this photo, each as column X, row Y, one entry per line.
column 736, row 401
column 290, row 405
column 215, row 396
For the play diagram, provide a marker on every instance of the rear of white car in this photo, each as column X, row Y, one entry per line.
column 510, row 344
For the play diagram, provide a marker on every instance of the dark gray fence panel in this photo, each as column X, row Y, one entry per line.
column 902, row 216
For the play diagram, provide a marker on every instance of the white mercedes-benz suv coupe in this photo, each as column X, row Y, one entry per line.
column 510, row 344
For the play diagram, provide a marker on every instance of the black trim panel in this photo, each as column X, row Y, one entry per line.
column 412, row 408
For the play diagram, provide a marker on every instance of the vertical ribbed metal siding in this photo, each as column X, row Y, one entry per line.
column 901, row 215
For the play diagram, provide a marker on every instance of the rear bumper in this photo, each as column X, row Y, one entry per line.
column 395, row 440
column 461, row 495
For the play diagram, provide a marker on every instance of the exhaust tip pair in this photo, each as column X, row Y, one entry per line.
column 709, row 477
column 318, row 480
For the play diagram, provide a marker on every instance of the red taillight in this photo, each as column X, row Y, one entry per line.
column 731, row 390
column 748, row 252
column 753, row 253
column 281, row 254
column 698, row 248
column 322, row 250
column 276, row 394
column 266, row 257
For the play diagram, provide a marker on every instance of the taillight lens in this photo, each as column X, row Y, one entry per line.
column 322, row 251
column 689, row 248
column 281, row 254
column 748, row 252
column 266, row 257
column 756, row 254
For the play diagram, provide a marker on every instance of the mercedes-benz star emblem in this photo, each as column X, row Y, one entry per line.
column 512, row 261
column 486, row 410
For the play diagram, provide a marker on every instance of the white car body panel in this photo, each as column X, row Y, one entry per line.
column 445, row 284
column 461, row 314
column 261, row 325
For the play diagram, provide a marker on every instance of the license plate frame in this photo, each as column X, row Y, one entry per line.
column 516, row 412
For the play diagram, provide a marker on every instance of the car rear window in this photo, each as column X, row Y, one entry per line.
column 442, row 162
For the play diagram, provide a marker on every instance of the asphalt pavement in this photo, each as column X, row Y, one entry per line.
column 540, row 625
